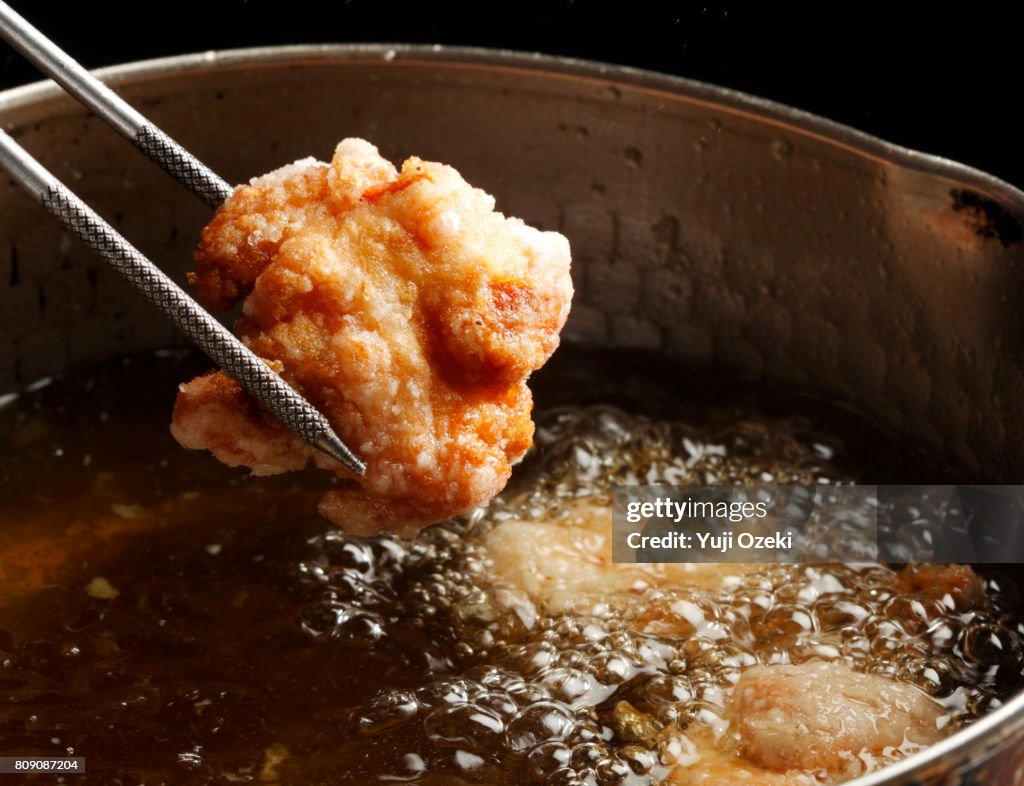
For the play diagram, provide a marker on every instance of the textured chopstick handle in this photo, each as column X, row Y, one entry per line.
column 217, row 341
column 182, row 165
column 237, row 360
column 111, row 108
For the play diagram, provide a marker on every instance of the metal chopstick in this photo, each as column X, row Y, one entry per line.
column 227, row 351
column 108, row 105
column 192, row 319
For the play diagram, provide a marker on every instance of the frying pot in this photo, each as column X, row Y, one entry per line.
column 727, row 230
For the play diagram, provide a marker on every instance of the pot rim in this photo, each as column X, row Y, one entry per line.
column 964, row 745
column 736, row 102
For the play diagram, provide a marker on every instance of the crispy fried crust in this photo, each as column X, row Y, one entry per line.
column 824, row 715
column 957, row 583
column 401, row 305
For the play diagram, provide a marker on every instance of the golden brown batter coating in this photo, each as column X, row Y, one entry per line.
column 826, row 716
column 402, row 306
column 957, row 585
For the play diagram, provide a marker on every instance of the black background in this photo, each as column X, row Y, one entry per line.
column 943, row 80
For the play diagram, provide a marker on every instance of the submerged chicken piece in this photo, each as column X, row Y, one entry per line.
column 404, row 308
column 815, row 722
column 709, row 762
column 824, row 715
column 567, row 563
column 955, row 585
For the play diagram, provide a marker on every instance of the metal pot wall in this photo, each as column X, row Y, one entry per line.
column 717, row 227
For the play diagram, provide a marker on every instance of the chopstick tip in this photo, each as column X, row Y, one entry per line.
column 331, row 444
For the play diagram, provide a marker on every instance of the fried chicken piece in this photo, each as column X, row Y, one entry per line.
column 825, row 715
column 714, row 762
column 814, row 722
column 957, row 585
column 404, row 308
column 565, row 563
